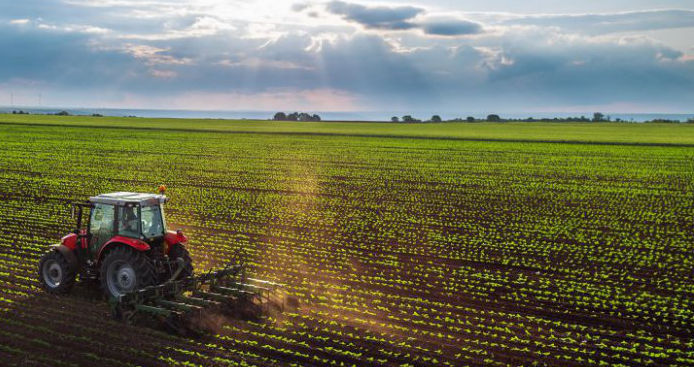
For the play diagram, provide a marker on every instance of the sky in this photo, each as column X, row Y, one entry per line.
column 626, row 56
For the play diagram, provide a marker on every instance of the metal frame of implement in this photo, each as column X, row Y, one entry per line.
column 175, row 299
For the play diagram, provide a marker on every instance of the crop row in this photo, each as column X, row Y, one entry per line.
column 401, row 252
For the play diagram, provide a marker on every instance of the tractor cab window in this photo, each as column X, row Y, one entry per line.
column 128, row 221
column 101, row 225
column 152, row 222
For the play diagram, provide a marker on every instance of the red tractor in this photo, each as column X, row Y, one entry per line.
column 125, row 245
column 143, row 267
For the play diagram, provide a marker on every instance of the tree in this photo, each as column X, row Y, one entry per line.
column 493, row 118
column 410, row 119
column 598, row 117
column 293, row 116
column 304, row 117
column 280, row 116
column 436, row 118
column 316, row 118
column 470, row 119
column 395, row 119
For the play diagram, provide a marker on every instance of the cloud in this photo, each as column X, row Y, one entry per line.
column 165, row 74
column 154, row 56
column 258, row 63
column 450, row 27
column 611, row 22
column 169, row 57
column 73, row 28
column 376, row 17
column 399, row 18
column 60, row 56
column 299, row 7
column 563, row 69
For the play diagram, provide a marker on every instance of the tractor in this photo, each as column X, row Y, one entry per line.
column 142, row 266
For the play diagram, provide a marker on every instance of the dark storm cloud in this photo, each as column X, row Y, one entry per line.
column 376, row 17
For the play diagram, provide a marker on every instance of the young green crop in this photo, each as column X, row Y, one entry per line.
column 423, row 252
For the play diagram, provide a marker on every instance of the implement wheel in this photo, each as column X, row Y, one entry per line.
column 125, row 270
column 55, row 273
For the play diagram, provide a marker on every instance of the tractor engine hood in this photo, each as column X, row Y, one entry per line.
column 174, row 237
column 69, row 241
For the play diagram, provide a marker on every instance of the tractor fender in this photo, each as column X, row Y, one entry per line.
column 173, row 238
column 122, row 241
column 67, row 254
column 69, row 241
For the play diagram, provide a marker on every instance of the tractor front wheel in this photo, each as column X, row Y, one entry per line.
column 55, row 273
column 125, row 270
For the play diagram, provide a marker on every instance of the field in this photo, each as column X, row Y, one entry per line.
column 417, row 245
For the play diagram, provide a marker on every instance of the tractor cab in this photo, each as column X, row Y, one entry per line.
column 124, row 242
column 121, row 216
column 125, row 214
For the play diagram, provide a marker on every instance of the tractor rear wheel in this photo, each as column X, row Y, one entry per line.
column 125, row 270
column 55, row 273
column 177, row 251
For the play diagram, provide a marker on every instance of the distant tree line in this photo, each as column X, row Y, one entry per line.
column 665, row 121
column 61, row 113
column 597, row 117
column 437, row 118
column 296, row 116
column 410, row 119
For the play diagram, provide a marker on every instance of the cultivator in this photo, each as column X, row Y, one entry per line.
column 182, row 304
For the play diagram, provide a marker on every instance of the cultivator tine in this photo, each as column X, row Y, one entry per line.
column 156, row 311
column 221, row 298
column 232, row 291
column 266, row 282
column 199, row 301
column 251, row 288
column 185, row 307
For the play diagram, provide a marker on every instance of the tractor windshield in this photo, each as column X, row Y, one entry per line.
column 128, row 221
column 152, row 221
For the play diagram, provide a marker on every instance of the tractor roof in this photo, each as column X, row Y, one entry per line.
column 122, row 198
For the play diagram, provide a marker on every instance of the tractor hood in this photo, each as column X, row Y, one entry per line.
column 69, row 241
column 174, row 237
